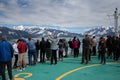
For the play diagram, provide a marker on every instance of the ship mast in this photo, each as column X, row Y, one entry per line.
column 116, row 21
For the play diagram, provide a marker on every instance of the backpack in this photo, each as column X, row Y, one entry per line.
column 75, row 44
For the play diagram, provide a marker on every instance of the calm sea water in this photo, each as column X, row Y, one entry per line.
column 67, row 38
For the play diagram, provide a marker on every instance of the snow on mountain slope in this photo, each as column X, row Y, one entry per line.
column 101, row 31
column 13, row 34
column 43, row 30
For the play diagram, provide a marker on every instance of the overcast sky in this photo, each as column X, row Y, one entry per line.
column 63, row 13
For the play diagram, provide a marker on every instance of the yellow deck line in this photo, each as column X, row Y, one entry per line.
column 67, row 73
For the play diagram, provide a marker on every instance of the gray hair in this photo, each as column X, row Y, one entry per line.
column 4, row 37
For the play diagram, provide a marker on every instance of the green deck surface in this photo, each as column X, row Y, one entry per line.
column 71, row 69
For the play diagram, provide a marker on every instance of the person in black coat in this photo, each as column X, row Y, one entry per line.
column 37, row 44
column 71, row 45
column 102, row 47
column 116, row 46
column 109, row 45
column 48, row 50
column 42, row 50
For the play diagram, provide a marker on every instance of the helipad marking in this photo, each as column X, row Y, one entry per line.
column 27, row 75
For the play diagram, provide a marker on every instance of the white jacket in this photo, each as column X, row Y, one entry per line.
column 54, row 43
column 15, row 48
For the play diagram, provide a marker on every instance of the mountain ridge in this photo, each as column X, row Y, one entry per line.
column 38, row 31
column 35, row 32
column 102, row 31
column 42, row 31
column 13, row 34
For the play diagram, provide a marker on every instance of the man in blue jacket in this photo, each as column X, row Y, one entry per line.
column 6, row 54
column 0, row 73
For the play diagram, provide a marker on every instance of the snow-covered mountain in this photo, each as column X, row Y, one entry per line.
column 42, row 31
column 37, row 31
column 13, row 34
column 101, row 31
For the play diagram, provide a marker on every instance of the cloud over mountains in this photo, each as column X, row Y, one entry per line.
column 64, row 13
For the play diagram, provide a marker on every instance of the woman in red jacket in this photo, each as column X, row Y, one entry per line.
column 22, row 48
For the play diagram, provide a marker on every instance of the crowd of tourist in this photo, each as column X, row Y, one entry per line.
column 55, row 49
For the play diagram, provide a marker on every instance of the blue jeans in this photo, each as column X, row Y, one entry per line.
column 30, row 54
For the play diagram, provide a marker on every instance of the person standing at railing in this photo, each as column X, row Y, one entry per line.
column 54, row 47
column 86, row 49
column 6, row 54
column 15, row 54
